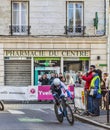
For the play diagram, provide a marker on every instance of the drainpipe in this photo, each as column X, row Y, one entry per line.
column 105, row 7
column 108, row 44
column 108, row 51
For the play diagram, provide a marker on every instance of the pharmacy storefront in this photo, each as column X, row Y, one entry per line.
column 24, row 67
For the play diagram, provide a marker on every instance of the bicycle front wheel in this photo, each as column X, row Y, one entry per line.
column 59, row 117
column 69, row 115
column 1, row 106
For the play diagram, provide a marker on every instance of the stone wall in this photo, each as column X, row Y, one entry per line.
column 48, row 17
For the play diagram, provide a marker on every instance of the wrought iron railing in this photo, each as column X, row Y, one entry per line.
column 75, row 30
column 16, row 29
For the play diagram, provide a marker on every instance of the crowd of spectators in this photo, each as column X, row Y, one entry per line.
column 44, row 80
column 67, row 78
column 96, row 86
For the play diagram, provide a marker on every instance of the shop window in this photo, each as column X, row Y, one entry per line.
column 47, row 67
column 72, row 66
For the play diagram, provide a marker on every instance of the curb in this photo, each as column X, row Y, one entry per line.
column 91, row 121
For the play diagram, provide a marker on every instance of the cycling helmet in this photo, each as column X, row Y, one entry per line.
column 56, row 81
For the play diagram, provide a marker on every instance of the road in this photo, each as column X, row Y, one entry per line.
column 36, row 117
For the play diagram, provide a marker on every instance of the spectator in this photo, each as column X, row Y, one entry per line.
column 44, row 80
column 62, row 78
column 109, row 89
column 96, row 92
column 51, row 78
column 69, row 80
column 78, row 81
column 56, row 75
column 74, row 75
column 60, row 75
column 106, row 79
column 104, row 89
column 87, row 78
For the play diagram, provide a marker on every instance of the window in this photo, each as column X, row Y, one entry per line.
column 75, row 17
column 19, row 18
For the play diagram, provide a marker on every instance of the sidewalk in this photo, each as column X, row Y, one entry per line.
column 96, row 120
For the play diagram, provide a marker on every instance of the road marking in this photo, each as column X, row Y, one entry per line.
column 41, row 110
column 28, row 119
column 52, row 109
column 37, row 109
column 16, row 112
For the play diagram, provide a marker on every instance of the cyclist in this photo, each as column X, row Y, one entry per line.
column 57, row 89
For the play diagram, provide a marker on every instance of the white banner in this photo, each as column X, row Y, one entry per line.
column 79, row 97
column 13, row 93
column 32, row 93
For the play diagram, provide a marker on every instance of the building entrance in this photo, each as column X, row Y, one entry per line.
column 45, row 66
column 39, row 71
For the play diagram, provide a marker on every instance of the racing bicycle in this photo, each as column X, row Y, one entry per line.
column 65, row 109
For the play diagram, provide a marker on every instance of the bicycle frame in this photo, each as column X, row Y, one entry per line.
column 65, row 108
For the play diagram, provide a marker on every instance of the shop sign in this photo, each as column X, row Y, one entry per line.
column 47, row 53
column 102, row 64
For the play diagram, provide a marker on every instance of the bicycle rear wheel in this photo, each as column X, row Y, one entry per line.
column 1, row 106
column 69, row 116
column 59, row 117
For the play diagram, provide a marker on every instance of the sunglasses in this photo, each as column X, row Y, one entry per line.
column 91, row 68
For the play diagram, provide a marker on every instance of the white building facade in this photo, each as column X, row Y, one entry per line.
column 44, row 36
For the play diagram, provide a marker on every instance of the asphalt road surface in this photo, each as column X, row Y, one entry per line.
column 36, row 117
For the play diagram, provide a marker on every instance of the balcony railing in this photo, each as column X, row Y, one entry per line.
column 19, row 30
column 75, row 30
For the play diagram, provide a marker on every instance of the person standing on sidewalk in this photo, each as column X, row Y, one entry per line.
column 88, row 99
column 69, row 79
column 96, row 92
column 104, row 90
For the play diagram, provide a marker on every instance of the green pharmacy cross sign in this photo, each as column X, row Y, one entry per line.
column 96, row 20
column 46, row 63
